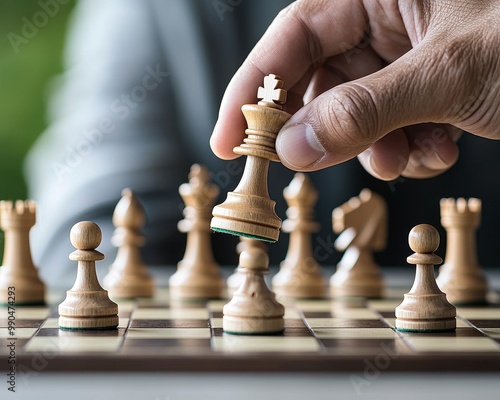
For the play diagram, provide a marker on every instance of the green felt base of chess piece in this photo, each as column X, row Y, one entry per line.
column 425, row 330
column 104, row 328
column 234, row 233
column 276, row 333
column 25, row 304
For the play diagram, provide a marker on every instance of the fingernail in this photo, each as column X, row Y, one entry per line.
column 373, row 165
column 366, row 160
column 298, row 146
column 434, row 161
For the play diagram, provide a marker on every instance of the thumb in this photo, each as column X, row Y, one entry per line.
column 348, row 119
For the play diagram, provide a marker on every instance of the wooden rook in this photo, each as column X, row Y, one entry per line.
column 87, row 305
column 235, row 280
column 425, row 308
column 461, row 277
column 362, row 224
column 198, row 276
column 248, row 211
column 18, row 270
column 300, row 275
column 253, row 310
column 128, row 276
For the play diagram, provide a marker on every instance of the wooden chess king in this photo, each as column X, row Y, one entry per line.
column 248, row 211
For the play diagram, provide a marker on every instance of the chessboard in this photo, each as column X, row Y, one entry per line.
column 343, row 335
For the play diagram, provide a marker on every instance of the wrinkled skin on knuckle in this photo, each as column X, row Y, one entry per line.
column 456, row 79
column 480, row 111
column 469, row 65
column 349, row 119
column 446, row 74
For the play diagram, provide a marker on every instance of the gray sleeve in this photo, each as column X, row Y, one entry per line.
column 112, row 125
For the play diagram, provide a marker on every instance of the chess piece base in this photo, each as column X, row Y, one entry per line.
column 431, row 314
column 462, row 289
column 195, row 293
column 371, row 290
column 350, row 284
column 305, row 292
column 252, row 326
column 185, row 285
column 301, row 280
column 464, row 296
column 88, row 310
column 357, row 275
column 132, row 287
column 426, row 326
column 316, row 290
column 131, row 292
column 29, row 290
column 88, row 323
column 253, row 310
column 23, row 296
column 247, row 215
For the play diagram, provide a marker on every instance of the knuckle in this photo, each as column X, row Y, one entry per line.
column 469, row 67
column 350, row 117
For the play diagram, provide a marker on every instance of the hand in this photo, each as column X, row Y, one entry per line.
column 394, row 83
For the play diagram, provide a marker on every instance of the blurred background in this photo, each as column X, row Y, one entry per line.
column 30, row 57
column 31, row 45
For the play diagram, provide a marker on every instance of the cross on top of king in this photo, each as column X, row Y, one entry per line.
column 272, row 94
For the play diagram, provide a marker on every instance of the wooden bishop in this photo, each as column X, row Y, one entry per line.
column 300, row 275
column 198, row 276
column 18, row 270
column 248, row 211
column 87, row 305
column 425, row 308
column 128, row 276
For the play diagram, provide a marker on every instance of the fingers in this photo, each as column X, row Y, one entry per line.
column 343, row 68
column 387, row 158
column 301, row 35
column 418, row 151
column 340, row 120
column 433, row 149
column 349, row 118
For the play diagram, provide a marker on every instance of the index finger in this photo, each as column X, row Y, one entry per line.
column 300, row 36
